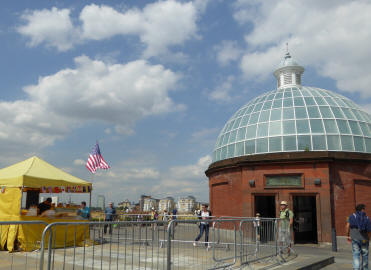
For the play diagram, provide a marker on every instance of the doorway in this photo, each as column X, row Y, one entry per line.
column 305, row 219
column 265, row 206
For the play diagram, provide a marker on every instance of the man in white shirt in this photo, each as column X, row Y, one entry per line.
column 204, row 225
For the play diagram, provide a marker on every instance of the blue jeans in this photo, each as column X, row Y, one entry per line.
column 203, row 228
column 360, row 249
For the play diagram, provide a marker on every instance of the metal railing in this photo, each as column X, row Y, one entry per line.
column 177, row 244
column 20, row 244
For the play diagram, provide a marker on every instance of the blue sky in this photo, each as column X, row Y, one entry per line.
column 155, row 81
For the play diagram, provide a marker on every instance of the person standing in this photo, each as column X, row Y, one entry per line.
column 285, row 226
column 45, row 205
column 109, row 215
column 358, row 230
column 84, row 211
column 204, row 225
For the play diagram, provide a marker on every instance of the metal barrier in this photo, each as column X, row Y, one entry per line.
column 176, row 244
column 16, row 236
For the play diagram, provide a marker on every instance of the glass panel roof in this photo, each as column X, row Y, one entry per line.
column 308, row 118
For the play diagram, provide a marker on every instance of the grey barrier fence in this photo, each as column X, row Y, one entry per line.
column 231, row 243
column 10, row 232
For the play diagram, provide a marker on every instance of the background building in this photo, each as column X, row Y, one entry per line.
column 166, row 204
column 306, row 145
column 101, row 202
column 150, row 203
column 187, row 204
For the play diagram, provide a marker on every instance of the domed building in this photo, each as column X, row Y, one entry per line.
column 305, row 145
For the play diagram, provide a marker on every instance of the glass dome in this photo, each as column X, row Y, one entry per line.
column 295, row 119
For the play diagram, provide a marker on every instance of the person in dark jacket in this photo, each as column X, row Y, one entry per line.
column 358, row 230
column 205, row 216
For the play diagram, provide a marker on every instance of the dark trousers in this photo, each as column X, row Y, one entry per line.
column 203, row 228
column 108, row 225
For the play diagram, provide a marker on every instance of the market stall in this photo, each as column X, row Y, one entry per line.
column 31, row 178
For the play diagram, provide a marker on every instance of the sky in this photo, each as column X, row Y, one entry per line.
column 155, row 81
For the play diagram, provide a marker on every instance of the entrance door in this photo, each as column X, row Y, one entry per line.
column 305, row 219
column 265, row 206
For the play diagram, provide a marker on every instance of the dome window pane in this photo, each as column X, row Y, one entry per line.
column 343, row 126
column 288, row 113
column 254, row 118
column 337, row 112
column 262, row 145
column 319, row 142
column 306, row 93
column 251, row 132
column 230, row 152
column 316, row 126
column 313, row 112
column 296, row 93
column 348, row 113
column 287, row 94
column 250, row 147
column 232, row 137
column 365, row 129
column 237, row 123
column 302, row 126
column 277, row 103
column 276, row 114
column 368, row 145
column 258, row 107
column 300, row 112
column 340, row 102
column 241, row 134
column 330, row 126
column 263, row 130
column 304, row 143
column 326, row 112
column 355, row 128
column 288, row 127
column 287, row 102
column 270, row 97
column 367, row 117
column 298, row 101
column 359, row 144
column 223, row 154
column 275, row 128
column 309, row 101
column 289, row 143
column 278, row 95
column 249, row 110
column 330, row 101
column 358, row 115
column 220, row 141
column 267, row 105
column 226, row 138
column 333, row 142
column 264, row 116
column 239, row 149
column 229, row 126
column 347, row 143
column 245, row 120
column 275, row 144
column 320, row 101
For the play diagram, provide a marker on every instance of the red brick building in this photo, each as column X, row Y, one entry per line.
column 308, row 146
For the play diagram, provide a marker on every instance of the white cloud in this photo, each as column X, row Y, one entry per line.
column 79, row 162
column 132, row 178
column 222, row 92
column 117, row 94
column 227, row 52
column 158, row 25
column 52, row 27
column 326, row 35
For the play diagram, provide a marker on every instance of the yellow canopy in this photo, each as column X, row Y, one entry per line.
column 35, row 172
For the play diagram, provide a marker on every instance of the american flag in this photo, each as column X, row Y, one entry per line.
column 96, row 160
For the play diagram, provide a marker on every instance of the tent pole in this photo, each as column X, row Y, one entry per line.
column 20, row 210
column 90, row 202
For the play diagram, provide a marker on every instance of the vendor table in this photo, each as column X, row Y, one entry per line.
column 28, row 235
